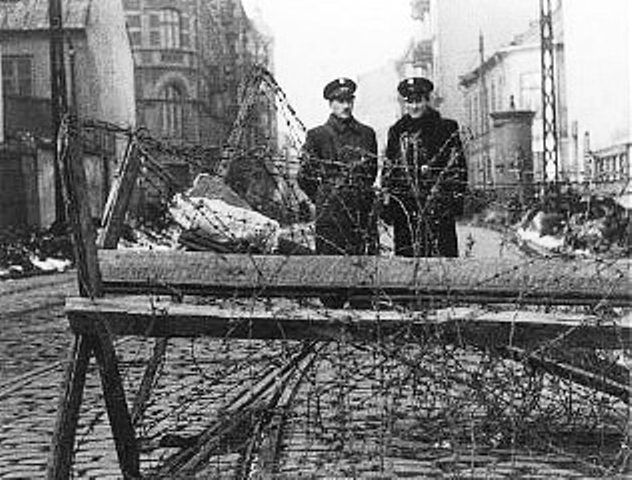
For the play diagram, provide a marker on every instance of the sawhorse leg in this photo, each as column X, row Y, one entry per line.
column 61, row 454
column 60, row 460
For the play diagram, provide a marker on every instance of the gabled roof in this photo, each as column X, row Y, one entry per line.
column 27, row 15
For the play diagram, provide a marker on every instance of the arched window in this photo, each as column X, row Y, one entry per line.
column 172, row 112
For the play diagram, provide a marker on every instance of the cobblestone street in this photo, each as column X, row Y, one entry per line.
column 34, row 341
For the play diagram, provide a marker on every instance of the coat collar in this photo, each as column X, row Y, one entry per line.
column 429, row 117
column 340, row 125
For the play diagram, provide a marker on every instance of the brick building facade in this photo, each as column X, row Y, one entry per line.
column 190, row 57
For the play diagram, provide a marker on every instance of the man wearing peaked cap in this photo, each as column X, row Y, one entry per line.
column 425, row 176
column 337, row 172
column 415, row 88
column 340, row 88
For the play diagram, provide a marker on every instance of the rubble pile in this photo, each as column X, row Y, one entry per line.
column 26, row 252
column 595, row 226
column 210, row 216
column 149, row 237
column 213, row 224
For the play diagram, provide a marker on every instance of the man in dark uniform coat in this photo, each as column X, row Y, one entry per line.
column 337, row 172
column 425, row 176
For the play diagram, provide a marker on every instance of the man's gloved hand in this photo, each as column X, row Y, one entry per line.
column 382, row 195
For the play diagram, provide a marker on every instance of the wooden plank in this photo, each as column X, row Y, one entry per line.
column 149, row 377
column 581, row 376
column 62, row 449
column 89, row 280
column 78, row 214
column 116, row 404
column 270, row 443
column 454, row 325
column 232, row 417
column 544, row 281
column 118, row 200
column 90, row 285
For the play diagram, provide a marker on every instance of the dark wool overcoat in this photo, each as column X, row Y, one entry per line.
column 425, row 176
column 337, row 172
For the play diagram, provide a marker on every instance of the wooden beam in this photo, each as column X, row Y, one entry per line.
column 78, row 212
column 62, row 449
column 273, row 381
column 591, row 379
column 454, row 325
column 118, row 200
column 115, row 403
column 543, row 281
column 149, row 377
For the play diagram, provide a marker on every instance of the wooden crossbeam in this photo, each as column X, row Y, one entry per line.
column 544, row 281
column 155, row 318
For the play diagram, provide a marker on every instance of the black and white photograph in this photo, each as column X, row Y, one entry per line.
column 315, row 239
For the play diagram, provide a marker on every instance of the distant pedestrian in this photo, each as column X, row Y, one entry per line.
column 425, row 176
column 337, row 172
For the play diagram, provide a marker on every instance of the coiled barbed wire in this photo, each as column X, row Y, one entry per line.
column 365, row 406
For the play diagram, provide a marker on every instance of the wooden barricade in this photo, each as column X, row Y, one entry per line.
column 434, row 286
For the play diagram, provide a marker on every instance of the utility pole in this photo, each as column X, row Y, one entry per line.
column 549, row 107
column 483, row 111
column 59, row 101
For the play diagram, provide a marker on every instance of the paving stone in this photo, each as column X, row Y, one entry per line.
column 362, row 427
column 24, row 474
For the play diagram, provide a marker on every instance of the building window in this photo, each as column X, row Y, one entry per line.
column 131, row 4
column 623, row 165
column 530, row 92
column 135, row 38
column 185, row 41
column 172, row 112
column 154, row 29
column 168, row 29
column 133, row 21
column 213, row 78
column 133, row 24
column 17, row 75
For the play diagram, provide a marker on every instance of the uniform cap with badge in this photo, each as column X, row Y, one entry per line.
column 340, row 89
column 415, row 88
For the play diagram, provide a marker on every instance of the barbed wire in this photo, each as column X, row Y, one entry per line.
column 400, row 404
